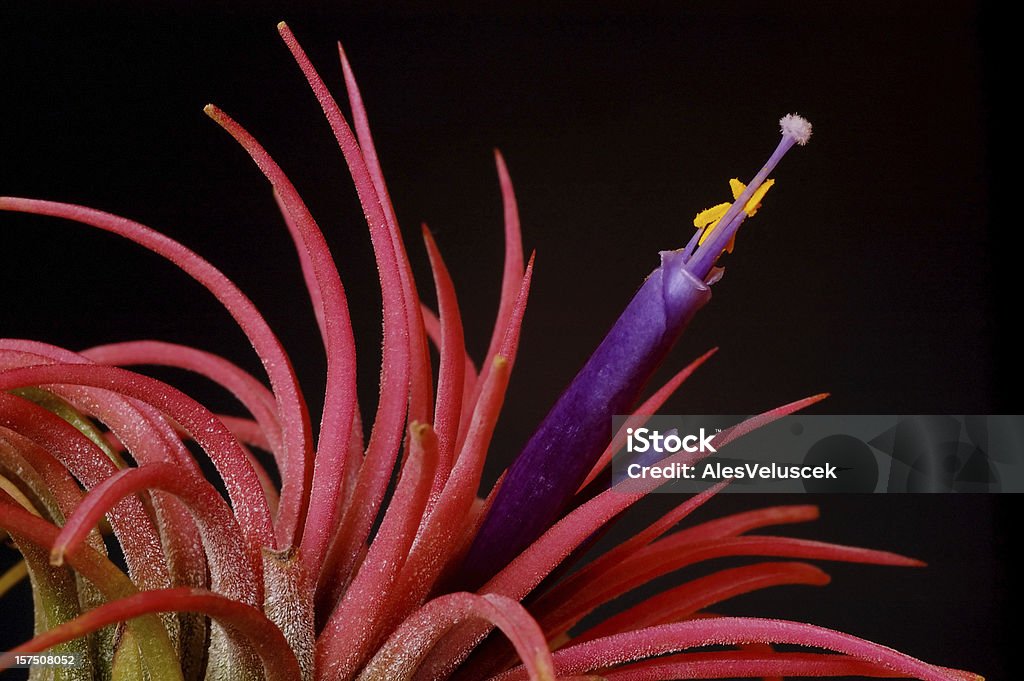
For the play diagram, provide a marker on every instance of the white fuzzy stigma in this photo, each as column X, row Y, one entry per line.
column 797, row 127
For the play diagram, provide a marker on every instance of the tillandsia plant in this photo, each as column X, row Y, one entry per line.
column 375, row 558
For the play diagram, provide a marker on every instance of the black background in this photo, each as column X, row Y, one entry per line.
column 878, row 270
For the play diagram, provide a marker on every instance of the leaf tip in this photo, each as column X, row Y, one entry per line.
column 57, row 555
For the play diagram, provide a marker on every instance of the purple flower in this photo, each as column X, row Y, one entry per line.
column 568, row 442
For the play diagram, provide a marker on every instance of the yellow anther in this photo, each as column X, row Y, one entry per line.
column 755, row 201
column 710, row 215
column 708, row 218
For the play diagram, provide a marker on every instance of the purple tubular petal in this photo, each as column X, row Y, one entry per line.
column 575, row 432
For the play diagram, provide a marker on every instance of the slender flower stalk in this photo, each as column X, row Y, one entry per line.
column 375, row 558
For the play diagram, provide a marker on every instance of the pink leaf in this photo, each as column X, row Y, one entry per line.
column 420, row 397
column 235, row 570
column 644, row 643
column 285, row 385
column 747, row 664
column 364, row 605
column 251, row 393
column 512, row 272
column 312, row 501
column 242, row 484
column 669, row 555
column 399, row 658
column 385, row 438
column 684, row 600
column 451, row 371
column 595, row 571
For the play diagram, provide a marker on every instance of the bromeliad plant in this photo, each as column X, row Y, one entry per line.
column 339, row 574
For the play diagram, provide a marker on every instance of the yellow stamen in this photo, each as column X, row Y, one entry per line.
column 708, row 218
column 710, row 215
column 755, row 200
